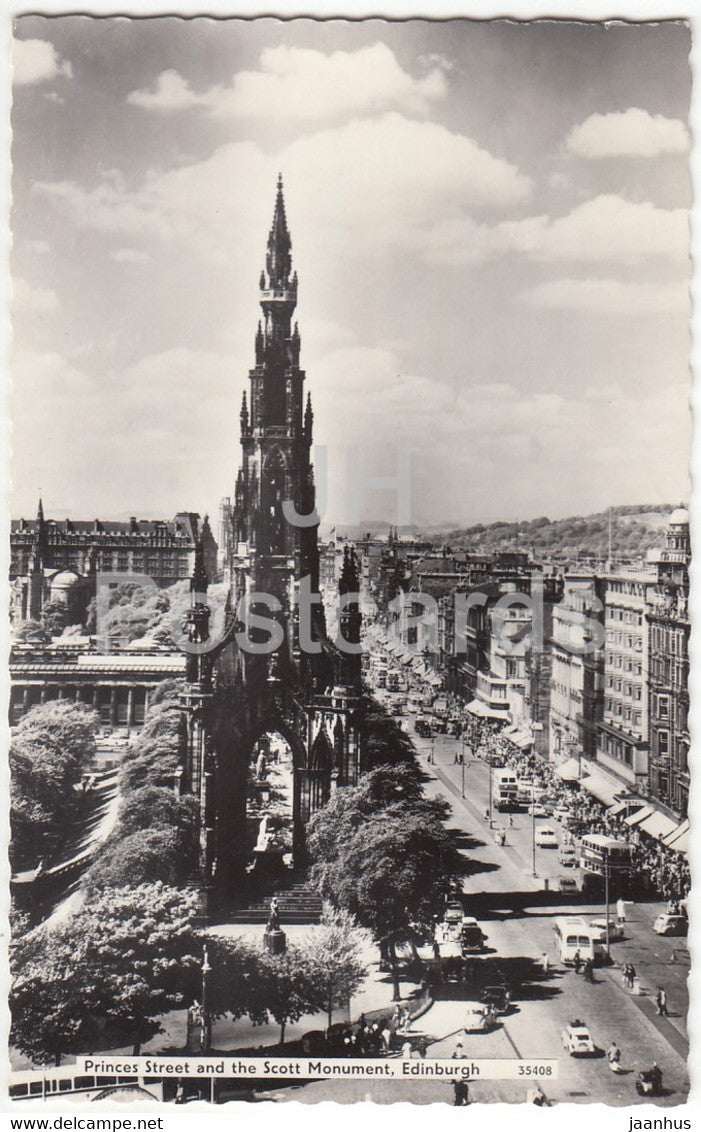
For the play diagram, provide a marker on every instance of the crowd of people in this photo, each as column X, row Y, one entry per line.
column 660, row 871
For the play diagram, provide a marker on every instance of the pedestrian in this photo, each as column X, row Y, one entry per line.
column 614, row 1058
column 632, row 974
column 406, row 1050
column 422, row 1047
column 577, row 961
column 621, row 910
column 461, row 1094
column 589, row 971
column 545, row 960
column 661, row 1002
column 511, row 821
column 458, row 1052
column 486, row 814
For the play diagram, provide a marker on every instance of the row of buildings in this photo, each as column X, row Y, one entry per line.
column 588, row 666
column 56, row 561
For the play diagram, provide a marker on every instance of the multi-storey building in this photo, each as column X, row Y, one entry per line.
column 576, row 678
column 668, row 692
column 622, row 734
column 53, row 558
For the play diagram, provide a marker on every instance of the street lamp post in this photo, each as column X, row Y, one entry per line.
column 462, row 767
column 206, row 1039
column 606, row 899
column 490, row 795
column 533, row 835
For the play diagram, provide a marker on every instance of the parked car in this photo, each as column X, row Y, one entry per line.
column 577, row 1040
column 567, row 856
column 423, row 727
column 545, row 837
column 568, row 886
column 616, row 931
column 669, row 924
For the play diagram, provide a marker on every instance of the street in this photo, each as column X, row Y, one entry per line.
column 517, row 916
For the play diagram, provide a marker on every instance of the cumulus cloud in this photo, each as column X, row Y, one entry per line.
column 295, row 82
column 610, row 296
column 37, row 61
column 629, row 133
column 608, row 228
column 37, row 300
column 369, row 193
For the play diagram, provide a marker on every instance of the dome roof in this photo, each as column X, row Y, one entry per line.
column 679, row 517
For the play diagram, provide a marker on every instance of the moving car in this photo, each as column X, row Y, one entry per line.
column 423, row 727
column 539, row 810
column 545, row 837
column 454, row 913
column 577, row 1040
column 568, row 886
column 567, row 856
column 616, row 931
column 669, row 924
column 561, row 814
column 472, row 938
column 477, row 1019
column 498, row 997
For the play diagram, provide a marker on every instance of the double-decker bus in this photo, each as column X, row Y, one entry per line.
column 69, row 1082
column 600, row 856
column 505, row 789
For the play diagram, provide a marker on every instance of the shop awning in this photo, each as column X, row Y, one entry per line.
column 680, row 844
column 511, row 730
column 477, row 707
column 601, row 786
column 657, row 825
column 521, row 740
column 639, row 816
column 568, row 771
column 679, row 831
column 631, row 804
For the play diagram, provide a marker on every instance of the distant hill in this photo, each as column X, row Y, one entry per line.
column 634, row 530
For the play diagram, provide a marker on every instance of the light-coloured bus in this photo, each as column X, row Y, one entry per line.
column 69, row 1082
column 574, row 935
column 504, row 789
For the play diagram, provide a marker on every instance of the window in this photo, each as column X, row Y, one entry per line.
column 663, row 707
column 663, row 743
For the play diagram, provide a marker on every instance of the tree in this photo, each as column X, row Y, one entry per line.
column 51, row 1010
column 335, row 955
column 142, row 857
column 141, row 948
column 330, row 829
column 155, row 754
column 394, row 871
column 31, row 633
column 51, row 748
column 287, row 986
column 130, row 956
column 55, row 616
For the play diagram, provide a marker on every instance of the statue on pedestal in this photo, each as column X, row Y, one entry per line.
column 274, row 940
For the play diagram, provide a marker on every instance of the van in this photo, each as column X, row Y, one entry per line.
column 573, row 935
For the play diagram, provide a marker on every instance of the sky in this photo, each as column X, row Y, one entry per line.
column 490, row 226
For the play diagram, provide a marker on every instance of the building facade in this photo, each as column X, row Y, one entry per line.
column 668, row 693
column 622, row 735
column 52, row 558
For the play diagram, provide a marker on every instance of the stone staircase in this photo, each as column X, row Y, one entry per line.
column 298, row 904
